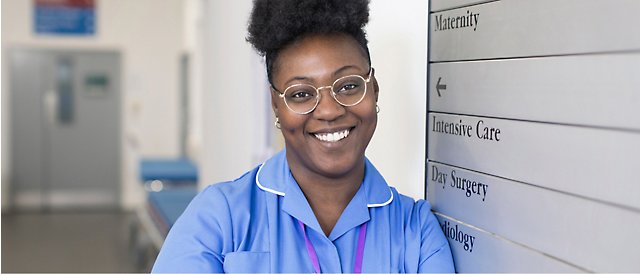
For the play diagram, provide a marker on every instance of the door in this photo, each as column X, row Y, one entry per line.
column 65, row 115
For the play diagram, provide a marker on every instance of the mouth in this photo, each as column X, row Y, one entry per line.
column 333, row 137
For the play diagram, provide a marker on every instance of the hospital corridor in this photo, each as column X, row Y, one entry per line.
column 507, row 130
column 116, row 113
column 64, row 242
column 102, row 130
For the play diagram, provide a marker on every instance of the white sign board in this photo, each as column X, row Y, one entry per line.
column 533, row 133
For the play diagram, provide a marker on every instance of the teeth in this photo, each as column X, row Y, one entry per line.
column 332, row 137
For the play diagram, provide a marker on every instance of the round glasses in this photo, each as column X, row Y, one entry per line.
column 347, row 91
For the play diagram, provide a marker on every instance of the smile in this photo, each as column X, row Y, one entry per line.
column 332, row 136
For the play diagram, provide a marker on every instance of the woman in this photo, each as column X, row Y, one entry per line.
column 319, row 205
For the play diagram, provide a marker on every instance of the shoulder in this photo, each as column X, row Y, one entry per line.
column 412, row 216
column 215, row 208
column 418, row 218
column 413, row 208
column 423, row 233
column 231, row 192
column 204, row 233
column 242, row 183
column 416, row 212
column 215, row 201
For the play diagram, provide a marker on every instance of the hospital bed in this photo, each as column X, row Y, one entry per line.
column 170, row 185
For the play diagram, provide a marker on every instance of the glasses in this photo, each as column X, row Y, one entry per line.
column 347, row 91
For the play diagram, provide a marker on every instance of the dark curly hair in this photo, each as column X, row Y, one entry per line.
column 274, row 24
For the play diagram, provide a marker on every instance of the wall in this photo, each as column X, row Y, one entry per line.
column 194, row 35
column 397, row 35
column 234, row 93
column 233, row 72
column 149, row 35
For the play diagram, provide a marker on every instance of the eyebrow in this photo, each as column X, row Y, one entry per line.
column 334, row 74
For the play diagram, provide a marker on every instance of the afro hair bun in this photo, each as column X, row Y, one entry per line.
column 276, row 23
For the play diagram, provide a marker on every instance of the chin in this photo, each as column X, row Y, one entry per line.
column 336, row 167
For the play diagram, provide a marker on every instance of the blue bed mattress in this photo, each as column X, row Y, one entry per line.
column 175, row 170
column 166, row 206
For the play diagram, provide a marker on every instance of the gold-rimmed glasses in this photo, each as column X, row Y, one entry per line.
column 347, row 91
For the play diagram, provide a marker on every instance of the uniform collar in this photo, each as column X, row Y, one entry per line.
column 274, row 176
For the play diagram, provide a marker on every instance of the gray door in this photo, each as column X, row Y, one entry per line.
column 65, row 114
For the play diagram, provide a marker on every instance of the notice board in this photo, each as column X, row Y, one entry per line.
column 533, row 133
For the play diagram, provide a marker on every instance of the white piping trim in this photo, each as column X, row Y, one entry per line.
column 283, row 194
column 264, row 188
column 382, row 204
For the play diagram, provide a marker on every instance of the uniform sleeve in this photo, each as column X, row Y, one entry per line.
column 195, row 243
column 435, row 254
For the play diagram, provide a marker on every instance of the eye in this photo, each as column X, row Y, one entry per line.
column 348, row 86
column 300, row 94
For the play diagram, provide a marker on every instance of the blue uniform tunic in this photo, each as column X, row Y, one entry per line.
column 251, row 225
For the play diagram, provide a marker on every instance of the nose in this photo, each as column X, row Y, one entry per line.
column 328, row 108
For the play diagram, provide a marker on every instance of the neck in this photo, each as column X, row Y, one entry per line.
column 330, row 193
column 328, row 197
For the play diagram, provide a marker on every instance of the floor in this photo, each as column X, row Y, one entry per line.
column 67, row 242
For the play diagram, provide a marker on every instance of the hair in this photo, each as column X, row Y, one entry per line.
column 274, row 24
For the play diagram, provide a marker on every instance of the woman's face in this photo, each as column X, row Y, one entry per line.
column 319, row 60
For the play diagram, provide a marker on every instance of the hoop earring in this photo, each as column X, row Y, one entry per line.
column 377, row 109
column 277, row 123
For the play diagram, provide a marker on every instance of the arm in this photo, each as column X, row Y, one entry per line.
column 435, row 254
column 196, row 241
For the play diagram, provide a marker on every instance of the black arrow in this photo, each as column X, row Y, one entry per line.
column 439, row 86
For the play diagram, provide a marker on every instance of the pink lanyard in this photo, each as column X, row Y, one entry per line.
column 357, row 268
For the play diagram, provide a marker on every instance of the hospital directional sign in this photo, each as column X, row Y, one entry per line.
column 64, row 17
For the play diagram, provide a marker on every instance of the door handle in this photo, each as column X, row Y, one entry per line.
column 51, row 105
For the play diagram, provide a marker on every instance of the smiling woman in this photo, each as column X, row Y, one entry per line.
column 320, row 205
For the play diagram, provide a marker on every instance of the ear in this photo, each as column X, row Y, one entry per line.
column 376, row 88
column 274, row 100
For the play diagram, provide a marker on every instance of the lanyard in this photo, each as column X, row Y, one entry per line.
column 357, row 268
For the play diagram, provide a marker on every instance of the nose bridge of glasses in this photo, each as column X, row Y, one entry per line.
column 330, row 88
column 327, row 106
column 324, row 87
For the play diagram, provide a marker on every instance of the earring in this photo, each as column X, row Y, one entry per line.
column 377, row 109
column 277, row 123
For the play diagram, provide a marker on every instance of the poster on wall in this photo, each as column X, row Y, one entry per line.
column 64, row 17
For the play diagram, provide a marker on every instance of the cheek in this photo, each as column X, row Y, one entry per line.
column 370, row 119
column 368, row 112
column 373, row 122
column 291, row 126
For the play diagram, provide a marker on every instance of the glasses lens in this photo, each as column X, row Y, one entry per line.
column 349, row 90
column 301, row 98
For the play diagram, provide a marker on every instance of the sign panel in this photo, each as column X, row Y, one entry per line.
column 478, row 251
column 594, row 163
column 64, row 17
column 593, row 90
column 438, row 5
column 555, row 223
column 504, row 29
